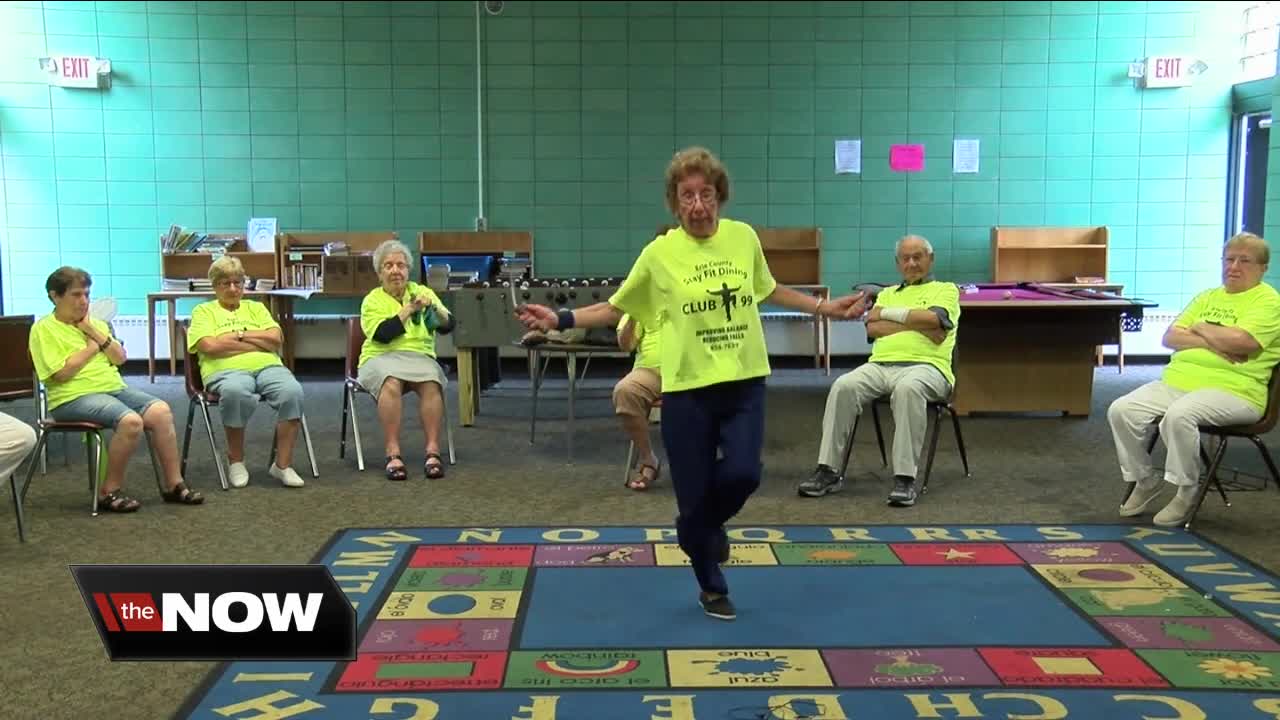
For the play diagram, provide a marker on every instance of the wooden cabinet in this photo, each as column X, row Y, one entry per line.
column 1048, row 254
column 794, row 254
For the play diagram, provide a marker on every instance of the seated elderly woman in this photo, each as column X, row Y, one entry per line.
column 237, row 342
column 78, row 360
column 1225, row 345
column 400, row 320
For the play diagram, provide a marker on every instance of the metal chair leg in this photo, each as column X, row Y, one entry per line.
column 935, row 430
column 1266, row 457
column 17, row 506
column 311, row 455
column 213, row 445
column 848, row 445
column 346, row 405
column 355, row 426
column 94, row 450
column 536, row 372
column 1203, row 490
column 186, row 436
column 964, row 456
column 42, row 439
column 875, row 416
column 448, row 426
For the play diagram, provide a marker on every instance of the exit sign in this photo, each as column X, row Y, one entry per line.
column 1164, row 71
column 77, row 71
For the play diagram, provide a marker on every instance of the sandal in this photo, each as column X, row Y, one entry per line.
column 434, row 470
column 182, row 495
column 640, row 481
column 117, row 503
column 396, row 473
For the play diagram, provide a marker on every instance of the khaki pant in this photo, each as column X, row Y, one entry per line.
column 17, row 439
column 636, row 393
column 909, row 387
column 1133, row 417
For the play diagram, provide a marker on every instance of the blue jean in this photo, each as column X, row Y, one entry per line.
column 240, row 391
column 106, row 409
column 709, row 492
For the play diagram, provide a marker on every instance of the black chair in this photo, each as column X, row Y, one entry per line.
column 351, row 387
column 205, row 399
column 1253, row 433
column 936, row 410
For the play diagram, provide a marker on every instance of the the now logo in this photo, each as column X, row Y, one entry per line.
column 137, row 612
column 231, row 612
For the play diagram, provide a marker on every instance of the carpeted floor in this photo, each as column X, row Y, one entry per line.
column 1042, row 470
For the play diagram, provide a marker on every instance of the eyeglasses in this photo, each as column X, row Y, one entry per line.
column 1244, row 260
column 229, row 283
column 706, row 195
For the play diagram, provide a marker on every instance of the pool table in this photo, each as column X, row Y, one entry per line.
column 1031, row 347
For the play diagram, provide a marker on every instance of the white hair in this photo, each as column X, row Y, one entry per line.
column 391, row 247
column 898, row 245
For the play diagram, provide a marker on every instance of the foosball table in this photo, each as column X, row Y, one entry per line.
column 485, row 318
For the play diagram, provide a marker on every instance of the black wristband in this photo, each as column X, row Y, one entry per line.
column 102, row 346
column 564, row 319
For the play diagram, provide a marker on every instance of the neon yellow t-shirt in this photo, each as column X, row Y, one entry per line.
column 52, row 342
column 648, row 343
column 211, row 319
column 378, row 306
column 1257, row 312
column 913, row 346
column 706, row 293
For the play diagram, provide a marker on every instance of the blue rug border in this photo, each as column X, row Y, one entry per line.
column 192, row 701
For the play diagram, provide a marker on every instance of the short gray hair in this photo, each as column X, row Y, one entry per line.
column 227, row 266
column 928, row 247
column 390, row 247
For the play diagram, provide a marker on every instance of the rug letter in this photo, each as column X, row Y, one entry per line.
column 1185, row 710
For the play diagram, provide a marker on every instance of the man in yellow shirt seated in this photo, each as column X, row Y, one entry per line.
column 913, row 329
column 1225, row 347
column 635, row 395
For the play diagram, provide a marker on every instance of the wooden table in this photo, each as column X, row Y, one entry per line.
column 1104, row 287
column 1035, row 352
column 821, row 327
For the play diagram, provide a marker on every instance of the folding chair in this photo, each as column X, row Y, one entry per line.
column 205, row 399
column 94, row 442
column 17, row 371
column 352, row 387
column 1253, row 433
column 936, row 409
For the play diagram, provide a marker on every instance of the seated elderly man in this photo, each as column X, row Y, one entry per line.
column 913, row 329
column 237, row 342
column 635, row 395
column 1225, row 347
column 400, row 320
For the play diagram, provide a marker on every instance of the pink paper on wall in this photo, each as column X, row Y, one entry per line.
column 906, row 158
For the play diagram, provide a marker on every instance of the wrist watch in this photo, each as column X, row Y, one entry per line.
column 102, row 346
column 240, row 335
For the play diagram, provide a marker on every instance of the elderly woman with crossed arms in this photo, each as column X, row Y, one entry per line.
column 400, row 320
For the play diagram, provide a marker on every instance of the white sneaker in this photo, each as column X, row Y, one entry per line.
column 286, row 476
column 1142, row 497
column 238, row 475
column 1176, row 512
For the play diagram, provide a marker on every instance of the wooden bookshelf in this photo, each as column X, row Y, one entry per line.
column 794, row 254
column 1048, row 254
column 356, row 270
column 195, row 265
column 475, row 243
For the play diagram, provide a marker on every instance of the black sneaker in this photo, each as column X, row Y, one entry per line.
column 824, row 480
column 903, row 493
column 720, row 608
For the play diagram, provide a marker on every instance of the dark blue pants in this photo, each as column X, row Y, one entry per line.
column 728, row 416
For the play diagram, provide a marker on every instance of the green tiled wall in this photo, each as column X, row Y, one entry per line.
column 361, row 115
